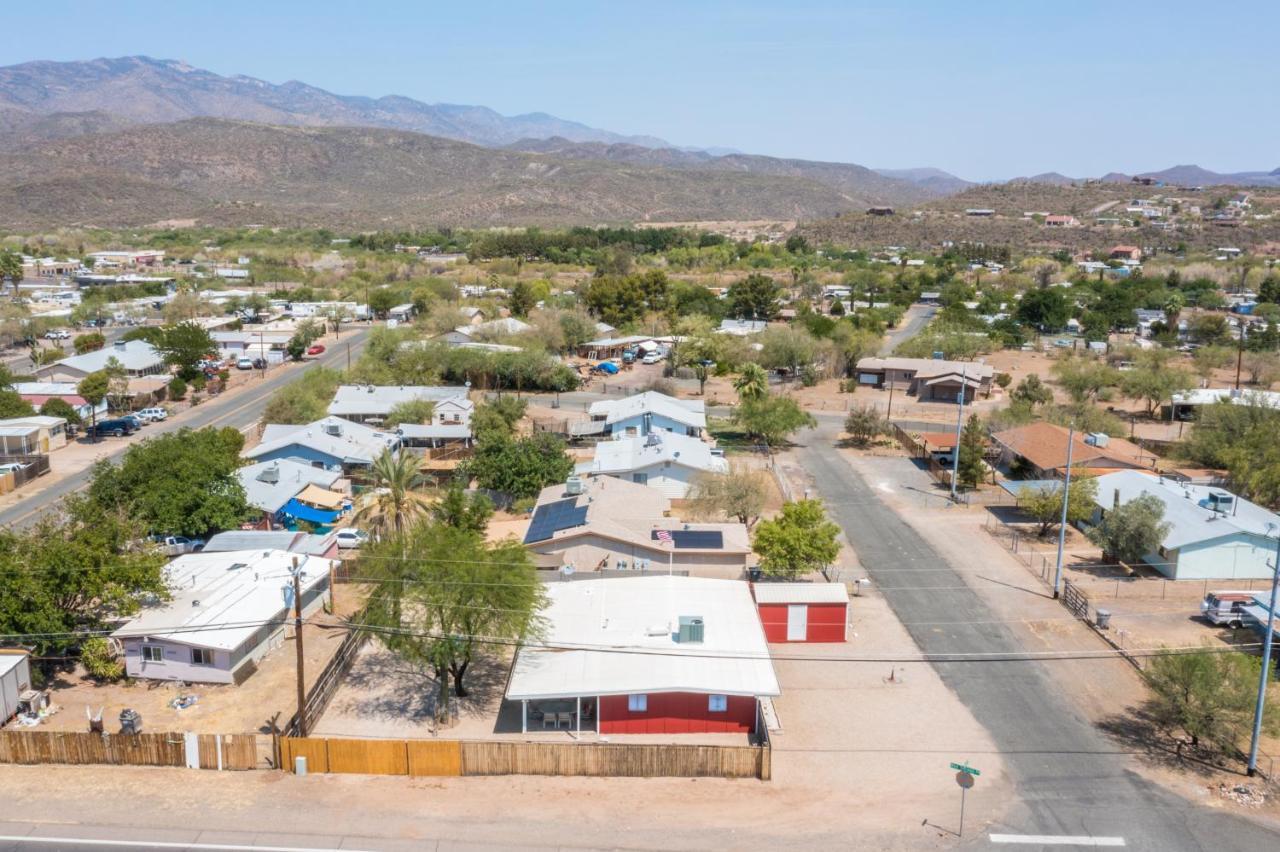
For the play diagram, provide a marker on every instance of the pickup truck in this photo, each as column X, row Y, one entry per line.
column 118, row 428
column 177, row 545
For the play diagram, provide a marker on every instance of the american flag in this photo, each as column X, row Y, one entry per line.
column 664, row 536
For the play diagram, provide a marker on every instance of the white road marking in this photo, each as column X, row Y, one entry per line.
column 163, row 844
column 1057, row 840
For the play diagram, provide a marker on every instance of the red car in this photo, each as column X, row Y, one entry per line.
column 315, row 350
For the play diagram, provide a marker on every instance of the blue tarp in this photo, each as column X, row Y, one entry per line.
column 310, row 514
column 607, row 367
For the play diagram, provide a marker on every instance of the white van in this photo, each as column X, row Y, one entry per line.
column 1226, row 607
column 153, row 414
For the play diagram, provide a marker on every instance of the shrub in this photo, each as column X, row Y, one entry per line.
column 98, row 660
column 177, row 389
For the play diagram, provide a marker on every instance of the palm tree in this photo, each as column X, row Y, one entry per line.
column 753, row 383
column 393, row 502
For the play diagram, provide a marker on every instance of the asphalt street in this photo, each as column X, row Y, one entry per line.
column 1068, row 777
column 239, row 411
column 916, row 318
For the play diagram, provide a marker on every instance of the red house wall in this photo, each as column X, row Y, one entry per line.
column 826, row 622
column 677, row 713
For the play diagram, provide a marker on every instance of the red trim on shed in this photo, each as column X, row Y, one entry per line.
column 677, row 713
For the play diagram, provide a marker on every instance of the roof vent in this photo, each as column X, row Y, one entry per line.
column 196, row 602
column 270, row 475
column 658, row 630
column 691, row 630
column 333, row 429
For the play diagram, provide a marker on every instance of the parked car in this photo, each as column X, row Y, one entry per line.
column 138, row 422
column 153, row 414
column 244, row 364
column 57, row 334
column 349, row 537
column 177, row 545
column 13, row 467
column 651, row 358
column 316, row 349
column 116, row 428
column 1226, row 607
column 259, row 363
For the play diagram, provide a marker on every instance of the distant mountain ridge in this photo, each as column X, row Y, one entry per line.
column 935, row 181
column 142, row 90
column 221, row 172
column 1183, row 175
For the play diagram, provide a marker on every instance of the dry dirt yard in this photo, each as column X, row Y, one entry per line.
column 267, row 696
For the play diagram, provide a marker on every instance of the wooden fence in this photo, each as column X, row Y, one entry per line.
column 458, row 757
column 226, row 751
column 323, row 690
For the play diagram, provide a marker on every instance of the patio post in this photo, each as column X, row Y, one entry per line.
column 578, row 715
column 524, row 715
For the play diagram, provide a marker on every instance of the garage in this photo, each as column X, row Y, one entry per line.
column 803, row 612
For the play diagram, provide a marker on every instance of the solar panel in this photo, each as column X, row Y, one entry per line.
column 695, row 539
column 550, row 518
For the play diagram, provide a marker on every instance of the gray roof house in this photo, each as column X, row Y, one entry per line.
column 331, row 443
column 138, row 358
column 1213, row 534
column 269, row 485
column 372, row 403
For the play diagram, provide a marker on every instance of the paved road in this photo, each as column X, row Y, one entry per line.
column 1068, row 781
column 915, row 319
column 239, row 410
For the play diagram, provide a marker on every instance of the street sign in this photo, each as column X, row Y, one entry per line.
column 964, row 779
column 961, row 767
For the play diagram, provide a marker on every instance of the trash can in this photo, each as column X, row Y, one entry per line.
column 130, row 722
column 1103, row 619
column 299, row 765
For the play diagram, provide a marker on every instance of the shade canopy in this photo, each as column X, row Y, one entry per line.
column 321, row 497
column 310, row 514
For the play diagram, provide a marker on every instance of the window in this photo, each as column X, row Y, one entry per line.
column 640, row 478
column 152, row 654
column 717, row 703
column 201, row 657
column 637, row 703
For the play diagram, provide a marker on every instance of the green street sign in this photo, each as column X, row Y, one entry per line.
column 963, row 768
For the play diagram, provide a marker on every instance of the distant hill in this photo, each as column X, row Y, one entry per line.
column 227, row 172
column 19, row 129
column 1191, row 175
column 935, row 181
column 142, row 90
column 853, row 180
column 1049, row 178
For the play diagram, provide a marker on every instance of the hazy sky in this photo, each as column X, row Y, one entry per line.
column 984, row 89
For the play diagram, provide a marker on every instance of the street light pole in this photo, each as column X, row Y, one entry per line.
column 1265, row 677
column 1066, row 497
column 297, row 638
column 955, row 462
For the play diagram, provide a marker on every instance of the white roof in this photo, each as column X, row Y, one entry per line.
column 503, row 325
column 769, row 593
column 634, row 452
column 1186, row 509
column 380, row 399
column 928, row 366
column 133, row 354
column 290, row 477
column 46, row 388
column 615, row 637
column 1208, row 396
column 741, row 327
column 10, row 660
column 220, row 600
column 44, row 421
column 434, row 430
column 690, row 412
column 619, row 341
column 354, row 442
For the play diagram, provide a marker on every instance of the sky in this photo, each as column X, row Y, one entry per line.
column 987, row 90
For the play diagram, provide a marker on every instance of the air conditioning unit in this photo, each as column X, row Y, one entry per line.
column 1097, row 439
column 332, row 429
column 691, row 630
column 573, row 485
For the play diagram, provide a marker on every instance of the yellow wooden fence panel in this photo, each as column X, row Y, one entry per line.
column 435, row 757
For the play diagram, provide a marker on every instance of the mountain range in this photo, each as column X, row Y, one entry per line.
column 1185, row 175
column 135, row 140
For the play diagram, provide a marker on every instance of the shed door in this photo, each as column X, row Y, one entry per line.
column 797, row 622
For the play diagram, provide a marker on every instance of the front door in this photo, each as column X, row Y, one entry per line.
column 797, row 622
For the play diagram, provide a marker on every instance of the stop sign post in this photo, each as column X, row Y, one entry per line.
column 964, row 779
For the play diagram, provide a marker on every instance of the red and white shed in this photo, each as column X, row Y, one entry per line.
column 803, row 612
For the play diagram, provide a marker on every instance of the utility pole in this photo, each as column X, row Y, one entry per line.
column 955, row 463
column 1066, row 498
column 889, row 414
column 348, row 355
column 1240, row 353
column 297, row 638
column 262, row 353
column 1265, row 678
